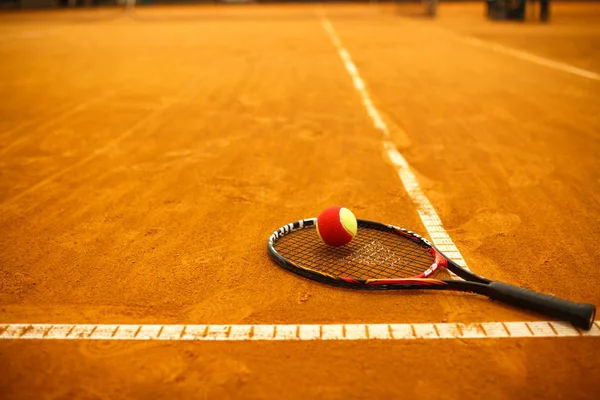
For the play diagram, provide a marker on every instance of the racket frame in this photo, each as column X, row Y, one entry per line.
column 579, row 314
column 470, row 282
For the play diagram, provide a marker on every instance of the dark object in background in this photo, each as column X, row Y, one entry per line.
column 29, row 4
column 544, row 9
column 431, row 7
column 514, row 10
column 506, row 9
column 416, row 8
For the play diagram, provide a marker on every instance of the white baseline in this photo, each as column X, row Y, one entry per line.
column 483, row 330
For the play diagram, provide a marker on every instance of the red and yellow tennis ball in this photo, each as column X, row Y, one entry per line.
column 336, row 226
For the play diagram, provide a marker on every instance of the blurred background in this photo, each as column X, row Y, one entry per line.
column 149, row 149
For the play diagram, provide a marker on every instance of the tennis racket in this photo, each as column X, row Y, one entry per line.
column 385, row 257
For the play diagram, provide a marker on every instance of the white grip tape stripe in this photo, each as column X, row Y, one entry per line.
column 483, row 330
column 427, row 213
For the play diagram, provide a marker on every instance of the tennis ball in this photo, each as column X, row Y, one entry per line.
column 336, row 226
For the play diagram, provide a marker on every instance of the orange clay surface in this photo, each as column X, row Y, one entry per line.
column 146, row 159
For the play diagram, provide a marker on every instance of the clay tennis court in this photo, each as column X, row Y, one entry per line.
column 146, row 157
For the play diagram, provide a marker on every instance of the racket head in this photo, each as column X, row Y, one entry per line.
column 379, row 257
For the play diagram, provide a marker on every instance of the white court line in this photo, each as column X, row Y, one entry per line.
column 337, row 332
column 523, row 55
column 438, row 234
column 69, row 112
column 98, row 151
column 427, row 213
column 27, row 35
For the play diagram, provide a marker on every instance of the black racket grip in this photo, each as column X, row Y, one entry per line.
column 579, row 314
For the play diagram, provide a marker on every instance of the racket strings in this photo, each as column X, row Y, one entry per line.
column 373, row 254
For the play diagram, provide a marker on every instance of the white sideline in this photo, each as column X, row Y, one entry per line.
column 426, row 212
column 483, row 330
column 26, row 35
column 523, row 55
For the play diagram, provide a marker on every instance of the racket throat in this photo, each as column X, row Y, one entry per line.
column 438, row 261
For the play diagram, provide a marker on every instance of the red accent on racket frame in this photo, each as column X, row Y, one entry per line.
column 409, row 281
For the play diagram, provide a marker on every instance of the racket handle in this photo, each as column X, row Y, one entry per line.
column 579, row 314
